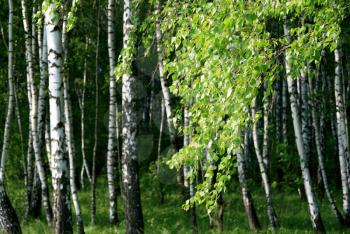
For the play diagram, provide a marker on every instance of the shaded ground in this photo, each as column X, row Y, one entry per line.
column 169, row 218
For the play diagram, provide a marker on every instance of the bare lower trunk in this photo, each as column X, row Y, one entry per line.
column 34, row 113
column 68, row 127
column 316, row 122
column 35, row 202
column 9, row 223
column 341, row 133
column 61, row 203
column 130, row 167
column 23, row 157
column 93, row 170
column 161, row 127
column 263, row 169
column 248, row 203
column 315, row 215
column 111, row 153
column 84, row 167
column 188, row 183
column 8, row 218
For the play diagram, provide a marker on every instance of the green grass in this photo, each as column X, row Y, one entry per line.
column 169, row 218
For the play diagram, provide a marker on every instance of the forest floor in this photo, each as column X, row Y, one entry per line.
column 170, row 218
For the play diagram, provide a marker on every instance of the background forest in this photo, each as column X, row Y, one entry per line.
column 223, row 116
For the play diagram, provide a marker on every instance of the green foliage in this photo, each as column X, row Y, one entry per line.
column 216, row 53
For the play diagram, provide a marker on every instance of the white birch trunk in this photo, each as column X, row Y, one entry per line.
column 61, row 203
column 33, row 113
column 343, row 145
column 84, row 167
column 315, row 215
column 130, row 167
column 305, row 115
column 316, row 122
column 248, row 203
column 263, row 170
column 68, row 127
column 111, row 153
column 188, row 183
column 165, row 88
column 48, row 137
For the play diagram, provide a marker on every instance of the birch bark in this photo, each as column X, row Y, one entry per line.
column 263, row 169
column 8, row 218
column 130, row 176
column 111, row 156
column 93, row 170
column 68, row 126
column 315, row 215
column 61, row 203
column 34, row 113
column 316, row 122
column 248, row 203
column 343, row 146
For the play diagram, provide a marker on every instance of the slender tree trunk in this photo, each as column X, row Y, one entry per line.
column 84, row 167
column 278, row 110
column 187, row 170
column 24, row 161
column 48, row 137
column 285, row 112
column 305, row 115
column 263, row 169
column 315, row 215
column 341, row 133
column 8, row 218
column 35, row 203
column 34, row 113
column 161, row 127
column 68, row 127
column 30, row 174
column 93, row 170
column 62, row 213
column 165, row 88
column 151, row 101
column 248, row 203
column 316, row 122
column 130, row 167
column 111, row 156
column 333, row 117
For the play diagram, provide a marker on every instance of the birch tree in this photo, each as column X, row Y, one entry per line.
column 248, row 203
column 162, row 76
column 130, row 167
column 68, row 124
column 84, row 167
column 343, row 145
column 263, row 165
column 111, row 156
column 93, row 170
column 188, row 182
column 62, row 221
column 34, row 113
column 316, row 122
column 8, row 218
column 315, row 215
